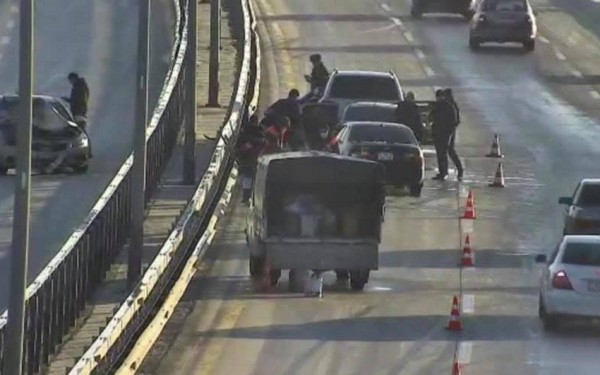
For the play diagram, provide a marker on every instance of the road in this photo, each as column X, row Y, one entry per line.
column 545, row 107
column 96, row 39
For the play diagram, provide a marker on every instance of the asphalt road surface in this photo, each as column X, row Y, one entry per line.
column 98, row 40
column 545, row 107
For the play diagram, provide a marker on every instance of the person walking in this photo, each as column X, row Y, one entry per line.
column 452, row 142
column 319, row 75
column 443, row 117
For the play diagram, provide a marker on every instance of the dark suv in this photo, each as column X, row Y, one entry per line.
column 503, row 21
column 57, row 142
column 464, row 7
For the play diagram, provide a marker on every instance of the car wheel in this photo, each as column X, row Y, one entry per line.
column 256, row 266
column 358, row 279
column 550, row 323
column 415, row 190
column 474, row 44
column 529, row 45
column 81, row 168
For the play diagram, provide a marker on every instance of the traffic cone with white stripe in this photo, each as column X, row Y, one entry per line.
column 470, row 208
column 499, row 177
column 454, row 324
column 467, row 257
column 495, row 153
column 455, row 368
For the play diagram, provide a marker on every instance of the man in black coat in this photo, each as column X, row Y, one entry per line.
column 444, row 118
column 319, row 75
column 80, row 94
column 451, row 144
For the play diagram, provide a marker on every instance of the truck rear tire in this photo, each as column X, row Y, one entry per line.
column 256, row 266
column 358, row 279
column 296, row 280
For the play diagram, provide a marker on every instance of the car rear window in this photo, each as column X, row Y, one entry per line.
column 505, row 5
column 582, row 254
column 370, row 113
column 589, row 196
column 364, row 87
column 45, row 116
column 375, row 133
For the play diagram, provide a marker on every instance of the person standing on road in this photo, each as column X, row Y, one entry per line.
column 451, row 144
column 443, row 117
column 407, row 113
column 78, row 100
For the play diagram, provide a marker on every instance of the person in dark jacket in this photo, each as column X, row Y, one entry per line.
column 451, row 144
column 80, row 94
column 407, row 113
column 319, row 75
column 286, row 107
column 443, row 117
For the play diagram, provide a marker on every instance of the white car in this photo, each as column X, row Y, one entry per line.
column 570, row 282
column 349, row 86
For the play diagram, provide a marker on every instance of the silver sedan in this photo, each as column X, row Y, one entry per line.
column 570, row 282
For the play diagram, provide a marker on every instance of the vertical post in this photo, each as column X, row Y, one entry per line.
column 214, row 58
column 20, row 235
column 138, row 170
column 189, row 157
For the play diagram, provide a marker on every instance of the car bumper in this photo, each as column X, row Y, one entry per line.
column 72, row 156
column 573, row 304
column 403, row 174
column 501, row 35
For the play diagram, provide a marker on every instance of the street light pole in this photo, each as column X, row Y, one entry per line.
column 20, row 235
column 138, row 169
column 214, row 58
column 189, row 157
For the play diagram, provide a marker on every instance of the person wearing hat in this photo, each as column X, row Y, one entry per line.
column 319, row 75
column 443, row 118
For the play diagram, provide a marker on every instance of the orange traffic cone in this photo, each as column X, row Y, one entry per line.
column 499, row 177
column 495, row 153
column 467, row 257
column 470, row 208
column 454, row 324
column 455, row 368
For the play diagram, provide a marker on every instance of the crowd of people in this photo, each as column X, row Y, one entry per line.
column 281, row 128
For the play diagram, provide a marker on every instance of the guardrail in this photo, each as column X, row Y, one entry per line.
column 194, row 229
column 58, row 295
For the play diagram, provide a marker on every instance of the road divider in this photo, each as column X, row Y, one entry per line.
column 192, row 233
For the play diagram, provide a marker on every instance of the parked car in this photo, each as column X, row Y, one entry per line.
column 349, row 86
column 463, row 7
column 503, row 21
column 370, row 111
column 570, row 281
column 393, row 145
column 583, row 212
column 57, row 141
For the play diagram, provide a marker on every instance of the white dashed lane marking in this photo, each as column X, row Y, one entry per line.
column 543, row 39
column 396, row 21
column 420, row 54
column 468, row 304
column 408, row 35
column 559, row 55
column 593, row 93
column 465, row 352
column 429, row 71
column 10, row 24
column 4, row 40
column 386, row 7
column 576, row 73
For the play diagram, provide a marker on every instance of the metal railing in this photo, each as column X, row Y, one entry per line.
column 57, row 297
column 121, row 332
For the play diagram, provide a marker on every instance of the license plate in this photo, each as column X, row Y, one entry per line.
column 593, row 285
column 385, row 156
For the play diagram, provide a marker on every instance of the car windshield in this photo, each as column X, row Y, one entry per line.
column 370, row 113
column 582, row 254
column 45, row 116
column 376, row 133
column 505, row 5
column 589, row 196
column 377, row 88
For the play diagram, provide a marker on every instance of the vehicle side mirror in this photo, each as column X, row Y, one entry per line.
column 541, row 258
column 565, row 200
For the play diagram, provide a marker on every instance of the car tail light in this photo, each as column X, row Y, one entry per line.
column 561, row 281
column 416, row 158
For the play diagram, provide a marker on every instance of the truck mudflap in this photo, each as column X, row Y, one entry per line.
column 321, row 254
